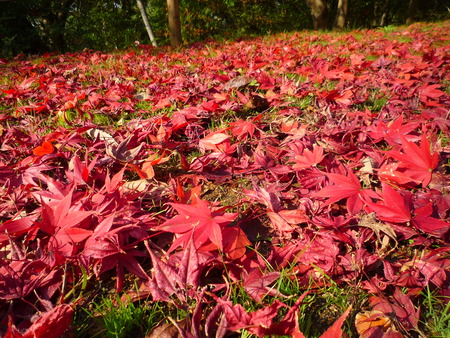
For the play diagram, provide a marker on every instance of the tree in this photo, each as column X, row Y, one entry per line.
column 173, row 8
column 341, row 15
column 319, row 11
column 412, row 10
column 17, row 35
column 146, row 22
column 50, row 18
column 104, row 25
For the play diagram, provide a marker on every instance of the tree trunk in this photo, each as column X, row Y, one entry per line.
column 146, row 23
column 341, row 15
column 412, row 10
column 173, row 7
column 319, row 11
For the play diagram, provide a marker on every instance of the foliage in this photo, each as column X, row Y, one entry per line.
column 105, row 25
column 374, row 13
column 37, row 26
column 231, row 19
column 217, row 170
column 17, row 35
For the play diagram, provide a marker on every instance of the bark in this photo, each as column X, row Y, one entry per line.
column 146, row 23
column 341, row 15
column 319, row 11
column 380, row 13
column 383, row 19
column 173, row 7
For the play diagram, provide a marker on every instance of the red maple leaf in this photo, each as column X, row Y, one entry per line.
column 109, row 247
column 341, row 97
column 52, row 323
column 399, row 209
column 214, row 141
column 399, row 307
column 210, row 106
column 235, row 242
column 175, row 275
column 424, row 221
column 21, row 277
column 392, row 131
column 388, row 173
column 17, row 227
column 45, row 148
column 421, row 271
column 256, row 283
column 261, row 195
column 427, row 92
column 335, row 330
column 197, row 220
column 346, row 187
column 309, row 158
column 284, row 220
column 418, row 163
column 59, row 219
column 164, row 279
column 262, row 322
column 243, row 129
column 395, row 207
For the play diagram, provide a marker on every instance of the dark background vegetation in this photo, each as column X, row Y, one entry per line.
column 39, row 26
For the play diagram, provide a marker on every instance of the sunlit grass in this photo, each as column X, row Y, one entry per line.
column 435, row 313
column 118, row 317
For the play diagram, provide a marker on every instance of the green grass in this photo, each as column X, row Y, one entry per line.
column 305, row 102
column 319, row 309
column 102, row 119
column 296, row 77
column 374, row 102
column 372, row 57
column 144, row 105
column 389, row 29
column 113, row 317
column 435, row 313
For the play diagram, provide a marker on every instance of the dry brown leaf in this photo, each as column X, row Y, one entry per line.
column 164, row 330
column 103, row 136
column 122, row 153
column 142, row 96
column 136, row 186
column 238, row 82
column 367, row 165
column 258, row 103
column 370, row 221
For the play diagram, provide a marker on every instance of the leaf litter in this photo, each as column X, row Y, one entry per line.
column 265, row 158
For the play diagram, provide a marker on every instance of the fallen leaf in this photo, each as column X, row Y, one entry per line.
column 45, row 148
column 164, row 330
column 238, row 82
